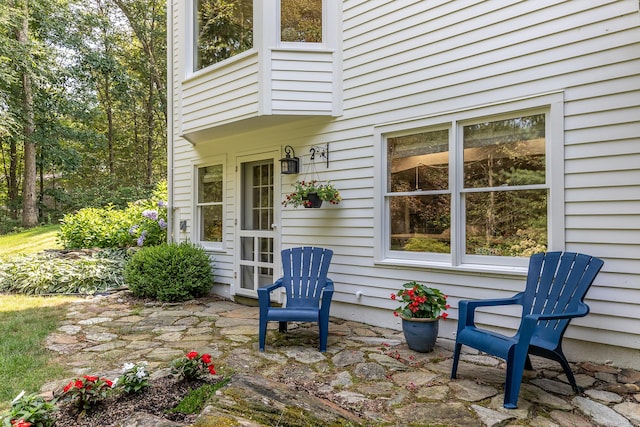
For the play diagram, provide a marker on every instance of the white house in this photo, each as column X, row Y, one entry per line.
column 463, row 136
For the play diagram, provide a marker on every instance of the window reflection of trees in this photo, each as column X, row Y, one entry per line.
column 224, row 28
column 301, row 21
column 504, row 189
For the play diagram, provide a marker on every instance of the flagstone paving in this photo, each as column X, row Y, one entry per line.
column 367, row 377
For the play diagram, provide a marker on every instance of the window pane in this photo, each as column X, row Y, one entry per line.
column 210, row 184
column 223, row 28
column 420, row 223
column 506, row 223
column 505, row 152
column 301, row 21
column 419, row 162
column 211, row 223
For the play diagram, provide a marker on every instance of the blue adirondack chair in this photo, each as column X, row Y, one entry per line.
column 308, row 290
column 556, row 285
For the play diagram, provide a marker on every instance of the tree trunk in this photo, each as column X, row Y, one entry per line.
column 29, row 199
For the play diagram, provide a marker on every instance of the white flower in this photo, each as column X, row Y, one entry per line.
column 115, row 382
column 141, row 373
column 128, row 366
column 18, row 397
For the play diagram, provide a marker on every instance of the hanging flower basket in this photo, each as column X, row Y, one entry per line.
column 304, row 191
column 314, row 201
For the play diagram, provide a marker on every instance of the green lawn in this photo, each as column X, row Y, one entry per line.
column 30, row 241
column 25, row 364
column 25, row 322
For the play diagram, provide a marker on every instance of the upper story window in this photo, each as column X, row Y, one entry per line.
column 222, row 29
column 301, row 21
column 209, row 205
column 473, row 190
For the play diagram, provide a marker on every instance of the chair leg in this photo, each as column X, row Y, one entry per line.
column 567, row 371
column 263, row 334
column 527, row 364
column 323, row 328
column 456, row 358
column 282, row 327
column 515, row 368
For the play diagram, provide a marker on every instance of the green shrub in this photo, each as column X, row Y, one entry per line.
column 47, row 273
column 143, row 222
column 169, row 272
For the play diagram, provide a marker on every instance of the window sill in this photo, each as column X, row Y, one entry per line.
column 501, row 270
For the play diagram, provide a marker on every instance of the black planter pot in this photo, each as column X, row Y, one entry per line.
column 314, row 201
column 420, row 334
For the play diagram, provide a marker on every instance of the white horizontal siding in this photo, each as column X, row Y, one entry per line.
column 302, row 82
column 415, row 58
column 224, row 93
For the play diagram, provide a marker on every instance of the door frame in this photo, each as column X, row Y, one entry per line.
column 241, row 159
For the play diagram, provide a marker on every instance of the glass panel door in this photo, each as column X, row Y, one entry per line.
column 256, row 221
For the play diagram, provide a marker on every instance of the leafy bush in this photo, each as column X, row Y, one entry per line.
column 169, row 272
column 48, row 273
column 141, row 223
column 32, row 409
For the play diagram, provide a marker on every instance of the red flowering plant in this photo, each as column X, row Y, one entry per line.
column 87, row 391
column 193, row 365
column 420, row 301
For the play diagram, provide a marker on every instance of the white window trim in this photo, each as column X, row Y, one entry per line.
column 301, row 45
column 552, row 104
column 195, row 230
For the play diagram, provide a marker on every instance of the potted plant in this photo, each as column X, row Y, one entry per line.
column 422, row 308
column 311, row 194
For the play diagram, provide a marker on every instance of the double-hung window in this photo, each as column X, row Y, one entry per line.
column 467, row 189
column 209, row 206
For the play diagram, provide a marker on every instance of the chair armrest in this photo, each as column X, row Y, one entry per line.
column 265, row 291
column 583, row 310
column 327, row 294
column 467, row 308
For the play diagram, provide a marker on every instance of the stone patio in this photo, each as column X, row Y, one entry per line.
column 368, row 377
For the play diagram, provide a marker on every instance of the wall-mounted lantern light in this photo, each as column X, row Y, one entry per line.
column 290, row 163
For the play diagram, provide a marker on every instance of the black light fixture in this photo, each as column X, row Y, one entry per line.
column 290, row 163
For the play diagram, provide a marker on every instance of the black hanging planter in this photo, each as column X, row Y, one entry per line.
column 312, row 201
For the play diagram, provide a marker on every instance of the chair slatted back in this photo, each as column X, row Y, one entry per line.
column 305, row 275
column 557, row 282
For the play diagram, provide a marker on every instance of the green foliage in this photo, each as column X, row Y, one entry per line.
column 134, row 378
column 31, row 408
column 25, row 363
column 192, row 366
column 87, row 391
column 169, row 272
column 194, row 402
column 420, row 301
column 423, row 244
column 143, row 222
column 46, row 273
